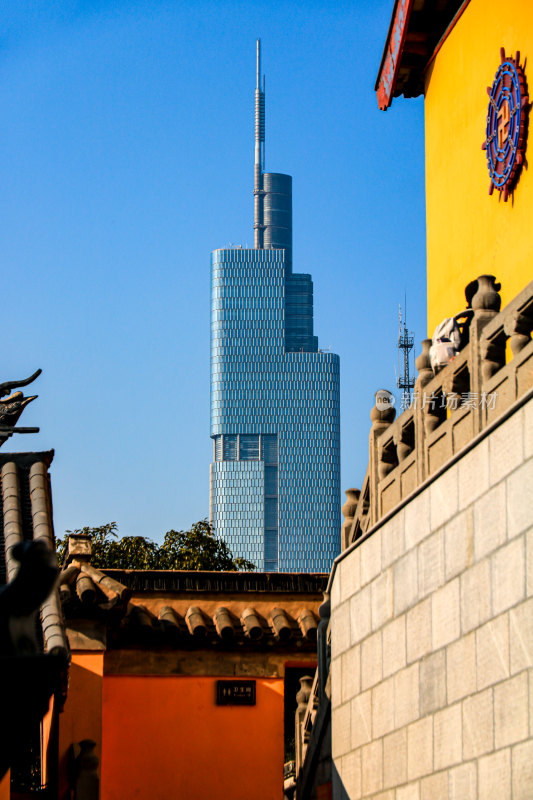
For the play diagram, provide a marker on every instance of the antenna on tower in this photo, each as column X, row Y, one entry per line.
column 406, row 341
column 259, row 162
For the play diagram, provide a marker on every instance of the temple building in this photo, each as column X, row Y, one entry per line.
column 138, row 683
column 183, row 684
column 145, row 683
column 34, row 649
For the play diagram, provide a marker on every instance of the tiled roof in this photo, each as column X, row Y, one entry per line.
column 220, row 622
column 192, row 609
column 34, row 662
column 25, row 515
column 240, row 582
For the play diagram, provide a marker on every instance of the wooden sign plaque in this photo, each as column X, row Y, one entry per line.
column 235, row 693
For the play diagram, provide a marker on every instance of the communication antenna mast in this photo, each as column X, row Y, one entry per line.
column 259, row 162
column 406, row 378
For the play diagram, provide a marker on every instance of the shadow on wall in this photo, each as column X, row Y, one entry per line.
column 339, row 790
column 81, row 719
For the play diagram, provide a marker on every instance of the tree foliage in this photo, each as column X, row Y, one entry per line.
column 196, row 549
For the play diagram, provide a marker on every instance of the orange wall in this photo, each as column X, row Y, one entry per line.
column 46, row 728
column 82, row 716
column 164, row 737
column 5, row 790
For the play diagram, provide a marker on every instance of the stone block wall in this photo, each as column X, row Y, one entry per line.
column 432, row 636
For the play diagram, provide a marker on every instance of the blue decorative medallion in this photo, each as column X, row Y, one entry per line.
column 506, row 132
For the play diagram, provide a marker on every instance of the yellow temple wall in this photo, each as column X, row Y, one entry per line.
column 470, row 233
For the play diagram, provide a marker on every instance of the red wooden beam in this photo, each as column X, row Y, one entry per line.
column 392, row 55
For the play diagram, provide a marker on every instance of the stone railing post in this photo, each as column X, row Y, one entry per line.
column 432, row 415
column 517, row 327
column 382, row 414
column 85, row 770
column 487, row 357
column 425, row 374
column 348, row 511
column 322, row 646
column 302, row 698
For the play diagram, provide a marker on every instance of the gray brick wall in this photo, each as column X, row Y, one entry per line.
column 432, row 637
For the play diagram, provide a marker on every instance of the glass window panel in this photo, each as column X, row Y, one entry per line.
column 249, row 447
column 271, row 545
column 269, row 448
column 218, row 448
column 271, row 512
column 230, row 447
column 271, row 481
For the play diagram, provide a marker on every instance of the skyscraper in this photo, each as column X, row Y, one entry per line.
column 275, row 418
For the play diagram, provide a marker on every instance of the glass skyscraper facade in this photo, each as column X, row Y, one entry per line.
column 275, row 418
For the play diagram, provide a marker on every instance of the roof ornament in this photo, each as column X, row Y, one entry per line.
column 12, row 407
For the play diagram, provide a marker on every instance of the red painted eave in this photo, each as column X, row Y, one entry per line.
column 417, row 30
column 392, row 54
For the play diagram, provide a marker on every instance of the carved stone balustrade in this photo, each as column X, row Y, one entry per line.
column 491, row 373
column 311, row 709
column 348, row 511
column 398, row 443
column 313, row 717
column 508, row 331
column 302, row 699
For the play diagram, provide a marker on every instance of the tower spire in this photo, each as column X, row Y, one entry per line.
column 259, row 162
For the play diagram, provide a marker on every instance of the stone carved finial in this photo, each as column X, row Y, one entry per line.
column 348, row 511
column 486, row 303
column 324, row 609
column 302, row 698
column 323, row 649
column 423, row 365
column 352, row 498
column 383, row 411
column 487, row 298
column 304, row 692
column 86, row 781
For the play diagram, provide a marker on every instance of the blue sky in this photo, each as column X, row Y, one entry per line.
column 127, row 156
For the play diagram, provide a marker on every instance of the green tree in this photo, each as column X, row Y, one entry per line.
column 196, row 549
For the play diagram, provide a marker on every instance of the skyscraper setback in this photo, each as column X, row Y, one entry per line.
column 275, row 418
